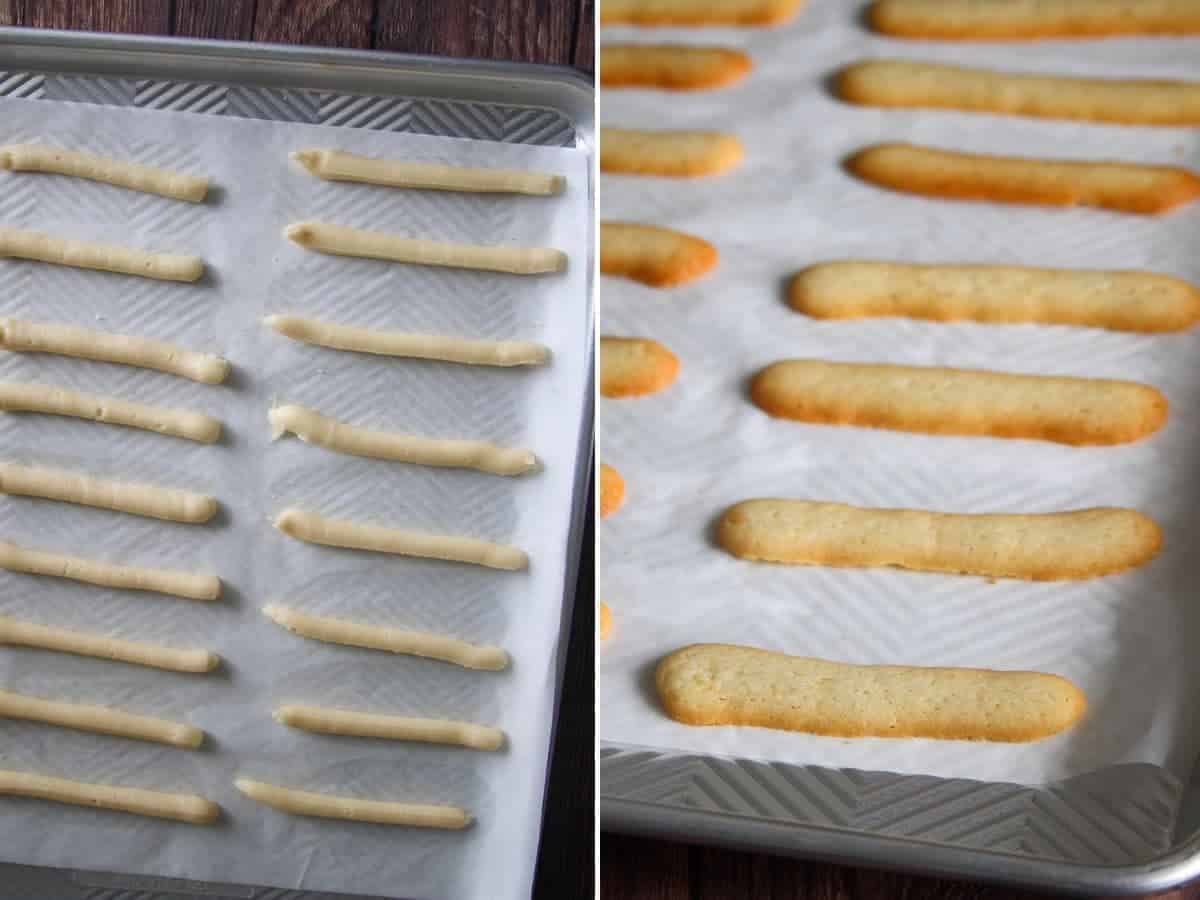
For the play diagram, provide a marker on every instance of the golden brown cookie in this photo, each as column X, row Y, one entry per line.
column 1124, row 187
column 671, row 67
column 606, row 621
column 655, row 256
column 1121, row 301
column 1073, row 545
column 697, row 12
column 901, row 83
column 673, row 153
column 612, row 490
column 724, row 684
column 632, row 367
column 1008, row 19
column 937, row 400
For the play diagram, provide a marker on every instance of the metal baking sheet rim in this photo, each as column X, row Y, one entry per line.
column 557, row 88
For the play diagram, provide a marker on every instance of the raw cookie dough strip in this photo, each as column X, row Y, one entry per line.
column 20, row 244
column 936, row 400
column 1072, row 545
column 191, row 808
column 634, row 367
column 724, row 684
column 612, row 490
column 697, row 12
column 328, row 806
column 1124, row 187
column 970, row 19
column 337, row 165
column 54, row 401
column 136, row 177
column 343, row 241
column 327, row 720
column 100, row 719
column 418, row 346
column 85, row 343
column 315, row 529
column 1122, row 301
column 655, row 256
column 671, row 67
column 901, row 83
column 309, row 425
column 391, row 640
column 671, row 153
column 90, row 571
column 82, row 643
column 122, row 496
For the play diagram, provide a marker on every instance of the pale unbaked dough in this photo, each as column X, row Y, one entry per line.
column 100, row 719
column 306, row 526
column 139, row 499
column 47, row 248
column 310, row 425
column 328, row 806
column 90, row 571
column 190, row 808
column 398, row 728
column 43, row 398
column 418, row 346
column 47, row 637
column 85, row 343
column 341, row 240
column 393, row 640
column 337, row 165
column 136, row 177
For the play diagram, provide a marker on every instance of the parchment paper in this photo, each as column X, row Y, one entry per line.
column 694, row 449
column 252, row 272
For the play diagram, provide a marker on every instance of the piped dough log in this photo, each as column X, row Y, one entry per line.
column 337, row 165
column 936, row 400
column 86, row 343
column 655, row 256
column 634, row 367
column 134, row 176
column 612, row 490
column 327, row 720
column 407, row 344
column 902, row 83
column 671, row 67
column 341, row 240
column 1118, row 186
column 1025, row 19
column 100, row 720
column 725, row 684
column 306, row 526
column 328, row 806
column 19, row 244
column 41, row 398
column 391, row 640
column 606, row 621
column 309, row 425
column 190, row 808
column 1117, row 300
column 1073, row 545
column 188, row 585
column 83, row 643
column 697, row 12
column 122, row 496
column 684, row 154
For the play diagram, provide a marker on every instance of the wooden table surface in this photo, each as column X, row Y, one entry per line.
column 545, row 31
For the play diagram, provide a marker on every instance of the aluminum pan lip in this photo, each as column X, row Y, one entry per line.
column 657, row 820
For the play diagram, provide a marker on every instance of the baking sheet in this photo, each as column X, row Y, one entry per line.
column 692, row 450
column 253, row 272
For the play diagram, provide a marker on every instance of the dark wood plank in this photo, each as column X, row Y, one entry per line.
column 566, row 859
column 640, row 869
column 223, row 20
column 119, row 16
column 327, row 23
column 521, row 30
column 8, row 12
column 585, row 37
